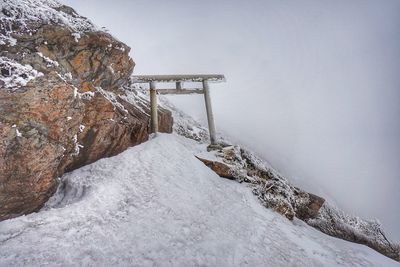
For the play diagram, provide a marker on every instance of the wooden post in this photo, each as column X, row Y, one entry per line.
column 179, row 85
column 210, row 115
column 153, row 106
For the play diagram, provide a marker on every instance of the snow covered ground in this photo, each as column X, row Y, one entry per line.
column 157, row 205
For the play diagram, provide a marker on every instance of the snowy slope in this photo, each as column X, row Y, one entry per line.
column 155, row 204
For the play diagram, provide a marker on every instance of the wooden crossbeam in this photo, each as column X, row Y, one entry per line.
column 180, row 91
column 178, row 78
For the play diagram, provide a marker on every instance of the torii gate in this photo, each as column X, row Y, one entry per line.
column 152, row 80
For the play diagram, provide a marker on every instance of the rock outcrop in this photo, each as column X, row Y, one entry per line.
column 61, row 100
column 222, row 169
column 334, row 222
column 274, row 191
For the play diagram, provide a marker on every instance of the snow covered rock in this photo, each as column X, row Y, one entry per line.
column 273, row 190
column 61, row 103
column 334, row 222
column 220, row 168
column 277, row 193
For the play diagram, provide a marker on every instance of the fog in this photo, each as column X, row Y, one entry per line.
column 312, row 86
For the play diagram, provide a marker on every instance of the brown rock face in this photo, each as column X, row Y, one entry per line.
column 220, row 168
column 61, row 106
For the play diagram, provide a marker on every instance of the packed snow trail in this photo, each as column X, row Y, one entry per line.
column 157, row 205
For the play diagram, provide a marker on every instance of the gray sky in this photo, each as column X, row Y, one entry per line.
column 312, row 86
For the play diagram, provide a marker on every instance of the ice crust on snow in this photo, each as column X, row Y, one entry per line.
column 156, row 204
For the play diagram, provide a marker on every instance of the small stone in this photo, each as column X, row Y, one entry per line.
column 213, row 147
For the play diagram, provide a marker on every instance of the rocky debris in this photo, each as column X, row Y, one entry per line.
column 330, row 220
column 62, row 105
column 276, row 193
column 273, row 190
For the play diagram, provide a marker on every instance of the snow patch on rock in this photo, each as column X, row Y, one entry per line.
column 16, row 15
column 14, row 74
column 49, row 61
column 110, row 96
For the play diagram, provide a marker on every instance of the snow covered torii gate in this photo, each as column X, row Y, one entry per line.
column 152, row 80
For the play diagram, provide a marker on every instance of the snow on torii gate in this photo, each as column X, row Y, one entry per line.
column 152, row 80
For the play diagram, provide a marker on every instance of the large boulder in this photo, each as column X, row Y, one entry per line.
column 61, row 100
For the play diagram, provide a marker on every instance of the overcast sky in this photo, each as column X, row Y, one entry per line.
column 312, row 86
